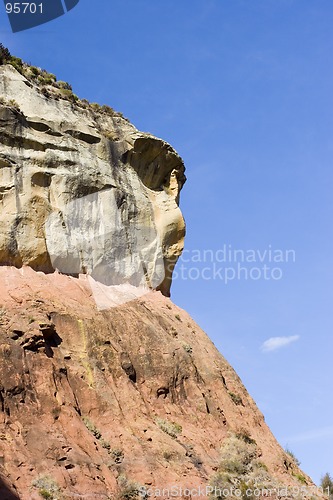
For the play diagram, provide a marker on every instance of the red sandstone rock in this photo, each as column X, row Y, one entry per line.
column 94, row 401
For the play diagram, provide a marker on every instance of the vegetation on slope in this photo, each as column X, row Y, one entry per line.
column 49, row 86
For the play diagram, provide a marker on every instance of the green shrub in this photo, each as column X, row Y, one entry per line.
column 261, row 465
column 240, row 473
column 106, row 109
column 47, row 488
column 48, row 81
column 95, row 106
column 120, row 115
column 168, row 455
column 236, row 398
column 45, row 494
column 45, row 92
column 301, row 478
column 4, row 54
column 171, row 428
column 128, row 490
column 105, row 444
column 34, row 70
column 68, row 95
column 13, row 104
column 247, row 488
column 17, row 63
column 116, row 454
column 237, row 455
column 293, row 457
column 85, row 103
column 188, row 348
column 64, row 85
column 245, row 436
column 222, row 484
column 91, row 427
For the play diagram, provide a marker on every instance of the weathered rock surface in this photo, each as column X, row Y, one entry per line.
column 94, row 403
column 107, row 391
column 83, row 192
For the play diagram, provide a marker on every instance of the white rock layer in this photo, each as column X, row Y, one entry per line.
column 85, row 192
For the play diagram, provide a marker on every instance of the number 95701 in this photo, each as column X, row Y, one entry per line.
column 24, row 8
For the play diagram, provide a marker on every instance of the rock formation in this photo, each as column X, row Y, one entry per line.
column 106, row 391
column 85, row 192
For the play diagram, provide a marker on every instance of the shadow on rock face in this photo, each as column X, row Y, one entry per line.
column 6, row 493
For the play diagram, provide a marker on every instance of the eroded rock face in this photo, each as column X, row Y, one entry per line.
column 108, row 391
column 82, row 192
column 98, row 404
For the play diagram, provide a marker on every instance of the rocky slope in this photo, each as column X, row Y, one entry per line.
column 98, row 402
column 107, row 389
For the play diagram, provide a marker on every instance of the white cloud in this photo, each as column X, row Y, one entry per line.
column 276, row 342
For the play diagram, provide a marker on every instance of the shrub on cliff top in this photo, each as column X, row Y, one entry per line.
column 7, row 58
column 60, row 89
column 4, row 54
column 17, row 63
column 293, row 457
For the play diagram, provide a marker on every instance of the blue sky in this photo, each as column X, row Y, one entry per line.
column 243, row 90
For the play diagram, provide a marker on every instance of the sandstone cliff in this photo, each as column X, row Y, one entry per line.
column 108, row 390
column 82, row 191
